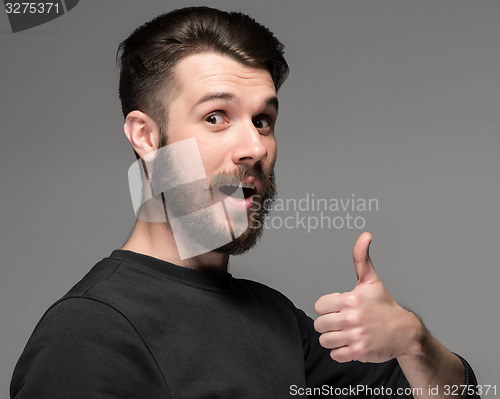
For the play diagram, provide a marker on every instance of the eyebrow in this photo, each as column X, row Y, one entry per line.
column 217, row 96
column 273, row 101
column 229, row 97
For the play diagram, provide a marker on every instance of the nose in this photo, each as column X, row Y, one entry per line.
column 249, row 148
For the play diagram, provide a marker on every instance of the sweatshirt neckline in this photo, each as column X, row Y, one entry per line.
column 186, row 274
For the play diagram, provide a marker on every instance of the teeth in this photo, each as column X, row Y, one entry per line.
column 241, row 184
column 248, row 185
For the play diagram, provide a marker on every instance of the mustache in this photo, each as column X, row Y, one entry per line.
column 242, row 172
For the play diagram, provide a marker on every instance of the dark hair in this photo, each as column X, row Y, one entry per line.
column 147, row 57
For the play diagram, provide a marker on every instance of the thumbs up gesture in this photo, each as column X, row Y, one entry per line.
column 365, row 324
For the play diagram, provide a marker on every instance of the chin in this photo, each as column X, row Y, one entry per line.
column 246, row 241
column 241, row 244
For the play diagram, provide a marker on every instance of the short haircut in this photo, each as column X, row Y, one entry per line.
column 148, row 56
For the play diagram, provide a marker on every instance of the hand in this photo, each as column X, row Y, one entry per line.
column 365, row 324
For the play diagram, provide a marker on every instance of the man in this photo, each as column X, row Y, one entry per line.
column 159, row 319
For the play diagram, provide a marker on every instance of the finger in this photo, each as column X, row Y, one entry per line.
column 329, row 322
column 328, row 304
column 334, row 339
column 362, row 262
column 342, row 354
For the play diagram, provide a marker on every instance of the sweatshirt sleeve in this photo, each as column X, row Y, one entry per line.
column 83, row 348
column 356, row 379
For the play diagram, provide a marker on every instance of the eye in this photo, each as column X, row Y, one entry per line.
column 215, row 118
column 263, row 123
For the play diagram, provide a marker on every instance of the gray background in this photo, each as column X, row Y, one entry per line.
column 394, row 100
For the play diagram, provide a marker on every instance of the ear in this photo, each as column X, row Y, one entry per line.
column 142, row 132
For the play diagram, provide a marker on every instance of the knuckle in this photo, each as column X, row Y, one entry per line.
column 358, row 337
column 351, row 300
column 363, row 351
column 359, row 352
column 353, row 319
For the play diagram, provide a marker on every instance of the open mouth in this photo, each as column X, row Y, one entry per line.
column 230, row 190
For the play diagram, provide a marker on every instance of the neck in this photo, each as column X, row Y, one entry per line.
column 156, row 239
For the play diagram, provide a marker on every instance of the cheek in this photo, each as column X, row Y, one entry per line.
column 179, row 131
column 213, row 154
column 271, row 151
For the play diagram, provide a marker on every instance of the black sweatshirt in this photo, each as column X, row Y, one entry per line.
column 139, row 327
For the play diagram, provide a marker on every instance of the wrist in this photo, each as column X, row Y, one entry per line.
column 417, row 338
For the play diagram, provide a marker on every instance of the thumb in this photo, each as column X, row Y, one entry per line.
column 362, row 262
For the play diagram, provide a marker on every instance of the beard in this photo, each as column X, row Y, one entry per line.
column 200, row 219
column 262, row 204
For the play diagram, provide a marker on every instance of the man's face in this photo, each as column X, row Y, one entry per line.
column 230, row 109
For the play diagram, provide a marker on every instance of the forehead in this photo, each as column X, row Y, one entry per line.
column 196, row 74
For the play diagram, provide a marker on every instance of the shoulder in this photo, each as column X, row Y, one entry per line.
column 79, row 313
column 89, row 343
column 77, row 326
column 99, row 273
